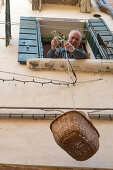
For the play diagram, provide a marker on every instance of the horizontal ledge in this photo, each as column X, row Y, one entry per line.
column 54, row 108
column 50, row 116
column 82, row 65
column 37, row 167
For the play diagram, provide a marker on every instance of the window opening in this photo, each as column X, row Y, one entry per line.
column 35, row 36
column 62, row 27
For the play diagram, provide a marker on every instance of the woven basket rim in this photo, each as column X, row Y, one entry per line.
column 78, row 113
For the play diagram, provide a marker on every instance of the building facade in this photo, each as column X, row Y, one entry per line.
column 27, row 107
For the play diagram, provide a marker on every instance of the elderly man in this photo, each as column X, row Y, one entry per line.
column 71, row 47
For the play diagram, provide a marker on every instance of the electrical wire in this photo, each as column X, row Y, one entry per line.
column 36, row 82
column 49, row 82
column 37, row 77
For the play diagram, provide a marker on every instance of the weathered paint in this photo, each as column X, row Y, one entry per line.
column 83, row 65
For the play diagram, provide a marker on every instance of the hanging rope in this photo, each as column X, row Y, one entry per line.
column 68, row 62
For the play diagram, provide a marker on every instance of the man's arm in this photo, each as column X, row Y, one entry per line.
column 76, row 53
column 51, row 53
column 79, row 54
column 54, row 53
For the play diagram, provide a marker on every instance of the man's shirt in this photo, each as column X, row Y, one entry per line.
column 78, row 53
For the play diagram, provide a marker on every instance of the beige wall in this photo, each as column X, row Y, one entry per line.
column 1, row 4
column 31, row 141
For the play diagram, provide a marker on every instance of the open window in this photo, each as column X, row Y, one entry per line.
column 36, row 34
column 61, row 26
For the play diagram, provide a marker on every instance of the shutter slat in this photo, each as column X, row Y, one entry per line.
column 23, row 57
column 28, row 42
column 100, row 47
column 30, row 45
column 27, row 37
column 27, row 18
column 27, row 49
column 27, row 31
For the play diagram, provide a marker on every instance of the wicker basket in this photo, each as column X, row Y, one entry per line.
column 74, row 133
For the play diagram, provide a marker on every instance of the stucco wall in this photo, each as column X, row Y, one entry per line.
column 1, row 4
column 30, row 142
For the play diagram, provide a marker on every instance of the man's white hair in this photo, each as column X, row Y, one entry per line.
column 75, row 31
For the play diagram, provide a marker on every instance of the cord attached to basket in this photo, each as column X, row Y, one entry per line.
column 68, row 62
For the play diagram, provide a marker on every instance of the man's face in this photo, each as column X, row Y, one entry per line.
column 74, row 39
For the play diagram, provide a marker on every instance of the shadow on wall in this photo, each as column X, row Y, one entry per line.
column 30, row 1
column 1, row 4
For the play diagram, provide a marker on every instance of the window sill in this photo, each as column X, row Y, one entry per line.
column 80, row 65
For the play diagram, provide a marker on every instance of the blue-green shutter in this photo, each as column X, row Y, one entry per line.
column 98, row 29
column 30, row 45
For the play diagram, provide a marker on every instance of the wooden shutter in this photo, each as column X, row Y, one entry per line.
column 100, row 38
column 30, row 45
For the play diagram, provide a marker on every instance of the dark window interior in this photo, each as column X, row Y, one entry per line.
column 46, row 47
column 50, row 27
column 46, row 42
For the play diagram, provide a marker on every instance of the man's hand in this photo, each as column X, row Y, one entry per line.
column 69, row 46
column 54, row 43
